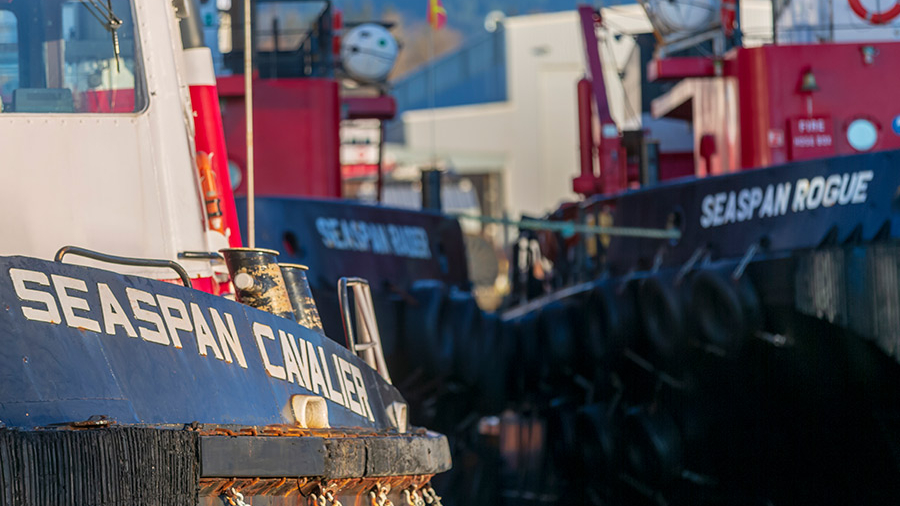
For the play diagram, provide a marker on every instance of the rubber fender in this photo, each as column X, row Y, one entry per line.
column 459, row 335
column 597, row 433
column 726, row 311
column 652, row 446
column 510, row 354
column 662, row 316
column 423, row 323
column 528, row 342
column 608, row 321
column 562, row 441
column 493, row 365
column 556, row 339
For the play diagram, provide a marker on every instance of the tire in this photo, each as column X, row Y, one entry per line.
column 726, row 312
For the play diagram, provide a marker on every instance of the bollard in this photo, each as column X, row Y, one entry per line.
column 300, row 295
column 257, row 280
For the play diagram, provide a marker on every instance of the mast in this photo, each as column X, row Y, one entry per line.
column 248, row 112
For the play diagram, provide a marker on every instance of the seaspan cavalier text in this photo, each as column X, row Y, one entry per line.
column 165, row 320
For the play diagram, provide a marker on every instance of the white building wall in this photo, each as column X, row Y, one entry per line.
column 535, row 130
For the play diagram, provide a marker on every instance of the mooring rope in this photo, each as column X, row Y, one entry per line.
column 569, row 228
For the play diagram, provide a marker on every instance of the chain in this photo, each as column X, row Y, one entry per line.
column 431, row 496
column 326, row 499
column 234, row 497
column 412, row 497
column 379, row 499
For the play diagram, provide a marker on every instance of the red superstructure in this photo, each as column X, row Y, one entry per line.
column 749, row 107
column 297, row 142
column 775, row 104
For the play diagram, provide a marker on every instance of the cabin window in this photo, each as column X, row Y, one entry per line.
column 9, row 56
column 287, row 25
column 69, row 56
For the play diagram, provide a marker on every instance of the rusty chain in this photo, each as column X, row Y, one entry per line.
column 431, row 496
column 234, row 497
column 379, row 499
column 413, row 498
column 326, row 499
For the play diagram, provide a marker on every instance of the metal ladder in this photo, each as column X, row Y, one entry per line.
column 369, row 346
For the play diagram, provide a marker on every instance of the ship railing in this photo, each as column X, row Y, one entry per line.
column 368, row 347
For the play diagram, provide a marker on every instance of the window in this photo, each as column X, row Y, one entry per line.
column 290, row 23
column 9, row 56
column 69, row 56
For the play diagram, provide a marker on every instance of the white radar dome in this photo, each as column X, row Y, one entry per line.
column 368, row 52
column 682, row 16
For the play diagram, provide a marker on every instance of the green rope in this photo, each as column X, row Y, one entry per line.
column 568, row 228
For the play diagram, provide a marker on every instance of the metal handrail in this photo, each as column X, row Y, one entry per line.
column 136, row 262
column 369, row 348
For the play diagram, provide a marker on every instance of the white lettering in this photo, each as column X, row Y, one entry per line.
column 259, row 332
column 292, row 371
column 300, row 353
column 768, row 206
column 346, row 377
column 730, row 209
column 832, row 190
column 335, row 396
column 135, row 298
column 816, row 190
column 361, row 392
column 113, row 313
column 69, row 303
column 706, row 219
column 848, row 186
column 800, row 195
column 315, row 372
column 228, row 338
column 862, row 184
column 50, row 313
column 782, row 196
column 204, row 334
column 719, row 218
column 174, row 323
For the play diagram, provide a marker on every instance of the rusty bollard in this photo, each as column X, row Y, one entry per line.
column 258, row 280
column 301, row 296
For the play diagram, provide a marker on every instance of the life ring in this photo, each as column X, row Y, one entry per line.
column 876, row 18
column 725, row 311
column 728, row 16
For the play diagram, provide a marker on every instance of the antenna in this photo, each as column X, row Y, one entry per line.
column 248, row 112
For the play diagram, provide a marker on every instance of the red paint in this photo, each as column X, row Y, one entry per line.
column 383, row 107
column 752, row 110
column 296, row 135
column 680, row 68
column 849, row 88
column 811, row 137
column 107, row 101
column 728, row 16
column 587, row 183
column 210, row 139
column 675, row 165
column 614, row 175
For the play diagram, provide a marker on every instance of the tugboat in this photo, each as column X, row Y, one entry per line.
column 728, row 337
column 129, row 374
